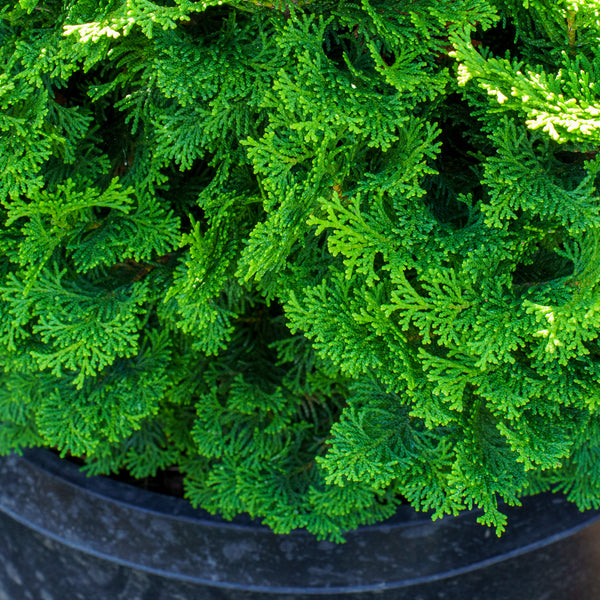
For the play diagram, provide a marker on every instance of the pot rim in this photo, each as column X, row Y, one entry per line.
column 390, row 555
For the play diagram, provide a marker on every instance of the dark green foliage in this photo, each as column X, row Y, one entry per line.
column 323, row 256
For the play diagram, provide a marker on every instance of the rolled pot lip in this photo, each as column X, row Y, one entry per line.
column 399, row 535
column 165, row 505
column 152, row 502
column 126, row 494
column 156, row 503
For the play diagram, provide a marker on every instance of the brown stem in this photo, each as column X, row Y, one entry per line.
column 571, row 31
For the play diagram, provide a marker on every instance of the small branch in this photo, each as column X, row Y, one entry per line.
column 571, row 31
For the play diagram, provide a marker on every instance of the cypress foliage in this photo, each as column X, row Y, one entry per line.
column 326, row 257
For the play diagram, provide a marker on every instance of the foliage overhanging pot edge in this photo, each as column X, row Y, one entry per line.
column 164, row 536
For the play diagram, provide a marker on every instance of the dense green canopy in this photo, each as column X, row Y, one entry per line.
column 325, row 257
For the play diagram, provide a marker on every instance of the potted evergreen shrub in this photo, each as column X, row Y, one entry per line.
column 325, row 259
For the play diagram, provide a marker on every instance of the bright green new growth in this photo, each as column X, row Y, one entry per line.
column 326, row 257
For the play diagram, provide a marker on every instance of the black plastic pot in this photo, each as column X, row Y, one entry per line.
column 65, row 536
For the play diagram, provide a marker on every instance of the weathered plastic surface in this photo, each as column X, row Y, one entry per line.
column 66, row 536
